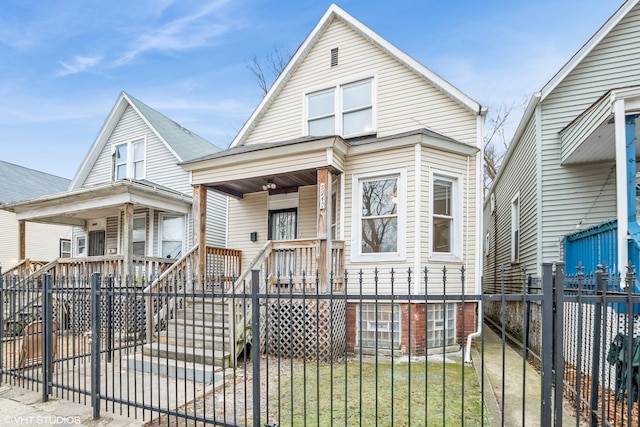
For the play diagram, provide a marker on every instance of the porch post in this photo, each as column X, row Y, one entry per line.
column 621, row 187
column 22, row 249
column 200, row 230
column 324, row 219
column 127, row 243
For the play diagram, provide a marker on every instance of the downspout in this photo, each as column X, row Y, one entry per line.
column 479, row 245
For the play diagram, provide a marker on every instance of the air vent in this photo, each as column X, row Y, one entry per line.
column 334, row 57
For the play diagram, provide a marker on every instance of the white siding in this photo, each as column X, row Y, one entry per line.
column 307, row 213
column 42, row 240
column 405, row 100
column 246, row 216
column 216, row 219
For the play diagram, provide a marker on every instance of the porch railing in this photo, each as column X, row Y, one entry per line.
column 24, row 268
column 163, row 295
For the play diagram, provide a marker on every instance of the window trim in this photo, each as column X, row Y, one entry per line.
column 338, row 112
column 130, row 163
column 456, row 213
column 515, row 235
column 356, row 239
column 61, row 251
column 77, row 245
column 161, row 218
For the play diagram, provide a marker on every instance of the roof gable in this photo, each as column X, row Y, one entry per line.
column 334, row 12
column 587, row 48
column 183, row 144
column 18, row 183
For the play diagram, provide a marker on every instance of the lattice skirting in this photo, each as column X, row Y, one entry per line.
column 304, row 328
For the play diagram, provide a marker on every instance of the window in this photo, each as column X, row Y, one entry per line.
column 345, row 110
column 172, row 236
column 381, row 327
column 515, row 229
column 139, row 235
column 446, row 241
column 65, row 248
column 441, row 325
column 129, row 160
column 379, row 218
column 81, row 246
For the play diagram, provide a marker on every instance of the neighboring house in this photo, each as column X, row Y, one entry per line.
column 567, row 188
column 358, row 157
column 130, row 204
column 34, row 241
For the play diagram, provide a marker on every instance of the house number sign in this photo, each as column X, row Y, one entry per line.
column 321, row 196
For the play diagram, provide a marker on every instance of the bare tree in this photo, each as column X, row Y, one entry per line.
column 495, row 141
column 267, row 69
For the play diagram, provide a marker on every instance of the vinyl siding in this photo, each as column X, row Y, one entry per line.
column 519, row 176
column 245, row 216
column 307, row 212
column 42, row 240
column 394, row 161
column 405, row 100
column 579, row 196
column 216, row 219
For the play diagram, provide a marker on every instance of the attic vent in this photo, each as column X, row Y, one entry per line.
column 334, row 57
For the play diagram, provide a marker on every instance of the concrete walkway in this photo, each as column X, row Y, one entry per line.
column 507, row 407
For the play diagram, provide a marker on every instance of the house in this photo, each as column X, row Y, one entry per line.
column 357, row 158
column 29, row 242
column 130, row 204
column 567, row 188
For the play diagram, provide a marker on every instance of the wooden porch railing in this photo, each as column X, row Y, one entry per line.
column 24, row 268
column 164, row 294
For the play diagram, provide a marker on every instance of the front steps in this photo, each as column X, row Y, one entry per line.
column 194, row 345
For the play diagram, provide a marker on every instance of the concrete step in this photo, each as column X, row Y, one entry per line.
column 205, row 341
column 197, row 326
column 187, row 354
column 174, row 368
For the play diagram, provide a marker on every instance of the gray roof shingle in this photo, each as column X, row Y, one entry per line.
column 19, row 183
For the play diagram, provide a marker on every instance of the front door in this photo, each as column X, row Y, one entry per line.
column 96, row 243
column 283, row 225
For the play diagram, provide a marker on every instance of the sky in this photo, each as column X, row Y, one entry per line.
column 64, row 63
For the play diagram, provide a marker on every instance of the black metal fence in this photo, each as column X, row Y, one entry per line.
column 394, row 356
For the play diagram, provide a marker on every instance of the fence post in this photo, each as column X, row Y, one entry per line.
column 95, row 345
column 595, row 350
column 547, row 343
column 559, row 343
column 255, row 344
column 109, row 323
column 47, row 331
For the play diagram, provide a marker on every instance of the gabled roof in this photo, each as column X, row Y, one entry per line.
column 181, row 142
column 335, row 12
column 18, row 183
column 577, row 58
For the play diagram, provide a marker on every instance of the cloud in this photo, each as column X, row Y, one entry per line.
column 78, row 65
column 186, row 32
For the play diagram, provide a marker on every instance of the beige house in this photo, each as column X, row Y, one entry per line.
column 358, row 158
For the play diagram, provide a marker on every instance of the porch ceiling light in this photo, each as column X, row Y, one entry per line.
column 269, row 186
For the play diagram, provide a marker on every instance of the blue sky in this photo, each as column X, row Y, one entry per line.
column 63, row 63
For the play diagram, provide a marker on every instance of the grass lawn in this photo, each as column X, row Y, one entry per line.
column 401, row 394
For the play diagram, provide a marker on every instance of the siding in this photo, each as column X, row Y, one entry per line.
column 579, row 196
column 245, row 216
column 216, row 219
column 307, row 212
column 519, row 175
column 405, row 100
column 42, row 240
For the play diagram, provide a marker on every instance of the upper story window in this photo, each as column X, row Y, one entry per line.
column 345, row 110
column 129, row 160
column 446, row 217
